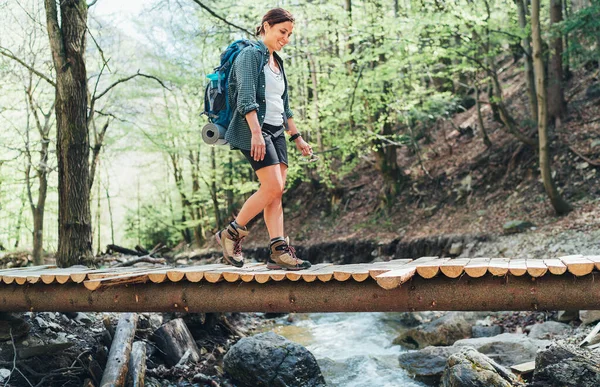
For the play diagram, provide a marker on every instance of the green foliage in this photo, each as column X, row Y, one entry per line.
column 583, row 28
column 152, row 225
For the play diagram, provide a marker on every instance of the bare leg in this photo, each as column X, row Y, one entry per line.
column 271, row 183
column 273, row 212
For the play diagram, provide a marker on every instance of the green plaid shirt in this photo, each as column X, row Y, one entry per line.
column 247, row 92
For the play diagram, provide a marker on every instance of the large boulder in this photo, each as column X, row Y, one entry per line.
column 469, row 368
column 564, row 365
column 442, row 331
column 486, row 331
column 271, row 360
column 427, row 364
column 507, row 349
column 589, row 316
column 548, row 329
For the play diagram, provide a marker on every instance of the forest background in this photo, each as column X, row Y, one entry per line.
column 428, row 117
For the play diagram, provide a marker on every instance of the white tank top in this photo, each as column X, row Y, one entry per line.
column 274, row 88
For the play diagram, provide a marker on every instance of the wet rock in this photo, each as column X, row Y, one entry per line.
column 564, row 365
column 413, row 319
column 4, row 374
column 517, row 226
column 567, row 315
column 456, row 249
column 469, row 368
column 589, row 316
column 548, row 329
column 84, row 319
column 271, row 360
column 507, row 349
column 427, row 364
column 442, row 331
column 485, row 331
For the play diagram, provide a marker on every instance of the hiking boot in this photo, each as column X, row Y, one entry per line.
column 230, row 241
column 283, row 256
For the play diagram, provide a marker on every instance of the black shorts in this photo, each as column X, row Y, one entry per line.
column 275, row 148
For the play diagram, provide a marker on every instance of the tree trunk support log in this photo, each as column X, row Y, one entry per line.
column 487, row 293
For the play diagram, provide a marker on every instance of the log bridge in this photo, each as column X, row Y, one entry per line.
column 427, row 283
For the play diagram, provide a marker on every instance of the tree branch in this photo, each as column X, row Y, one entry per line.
column 8, row 54
column 94, row 98
column 221, row 18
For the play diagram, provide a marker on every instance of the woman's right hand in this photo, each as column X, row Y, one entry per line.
column 257, row 147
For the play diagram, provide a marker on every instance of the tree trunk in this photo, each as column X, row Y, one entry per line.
column 560, row 205
column 486, row 139
column 556, row 97
column 67, row 42
column 42, row 171
column 315, row 99
column 213, row 189
column 349, row 46
column 526, row 43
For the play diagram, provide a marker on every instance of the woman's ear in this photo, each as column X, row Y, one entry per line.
column 266, row 27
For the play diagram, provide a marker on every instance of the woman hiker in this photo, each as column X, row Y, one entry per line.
column 262, row 115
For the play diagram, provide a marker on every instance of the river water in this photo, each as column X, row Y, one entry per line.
column 352, row 349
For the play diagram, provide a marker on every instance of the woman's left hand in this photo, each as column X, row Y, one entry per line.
column 303, row 147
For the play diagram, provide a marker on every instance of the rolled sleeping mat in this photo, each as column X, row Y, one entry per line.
column 213, row 134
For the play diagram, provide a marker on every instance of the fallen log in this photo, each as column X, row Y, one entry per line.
column 115, row 373
column 123, row 250
column 141, row 250
column 137, row 364
column 175, row 341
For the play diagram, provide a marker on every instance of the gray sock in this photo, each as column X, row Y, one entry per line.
column 276, row 239
column 236, row 226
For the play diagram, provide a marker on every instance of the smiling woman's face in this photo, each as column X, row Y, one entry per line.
column 277, row 35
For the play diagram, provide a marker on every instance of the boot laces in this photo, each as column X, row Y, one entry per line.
column 237, row 246
column 291, row 251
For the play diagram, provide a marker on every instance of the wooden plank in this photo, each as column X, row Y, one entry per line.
column 63, row 275
column 397, row 277
column 193, row 273
column 430, row 269
column 517, row 267
column 498, row 266
column 113, row 272
column 536, row 267
column 323, row 273
column 595, row 259
column 124, row 279
column 247, row 275
column 265, row 276
column 555, row 266
column 297, row 275
column 384, row 267
column 10, row 275
column 393, row 279
column 454, row 267
column 359, row 272
column 577, row 264
column 233, row 274
column 477, row 267
column 26, row 268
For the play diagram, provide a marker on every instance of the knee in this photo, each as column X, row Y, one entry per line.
column 273, row 193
